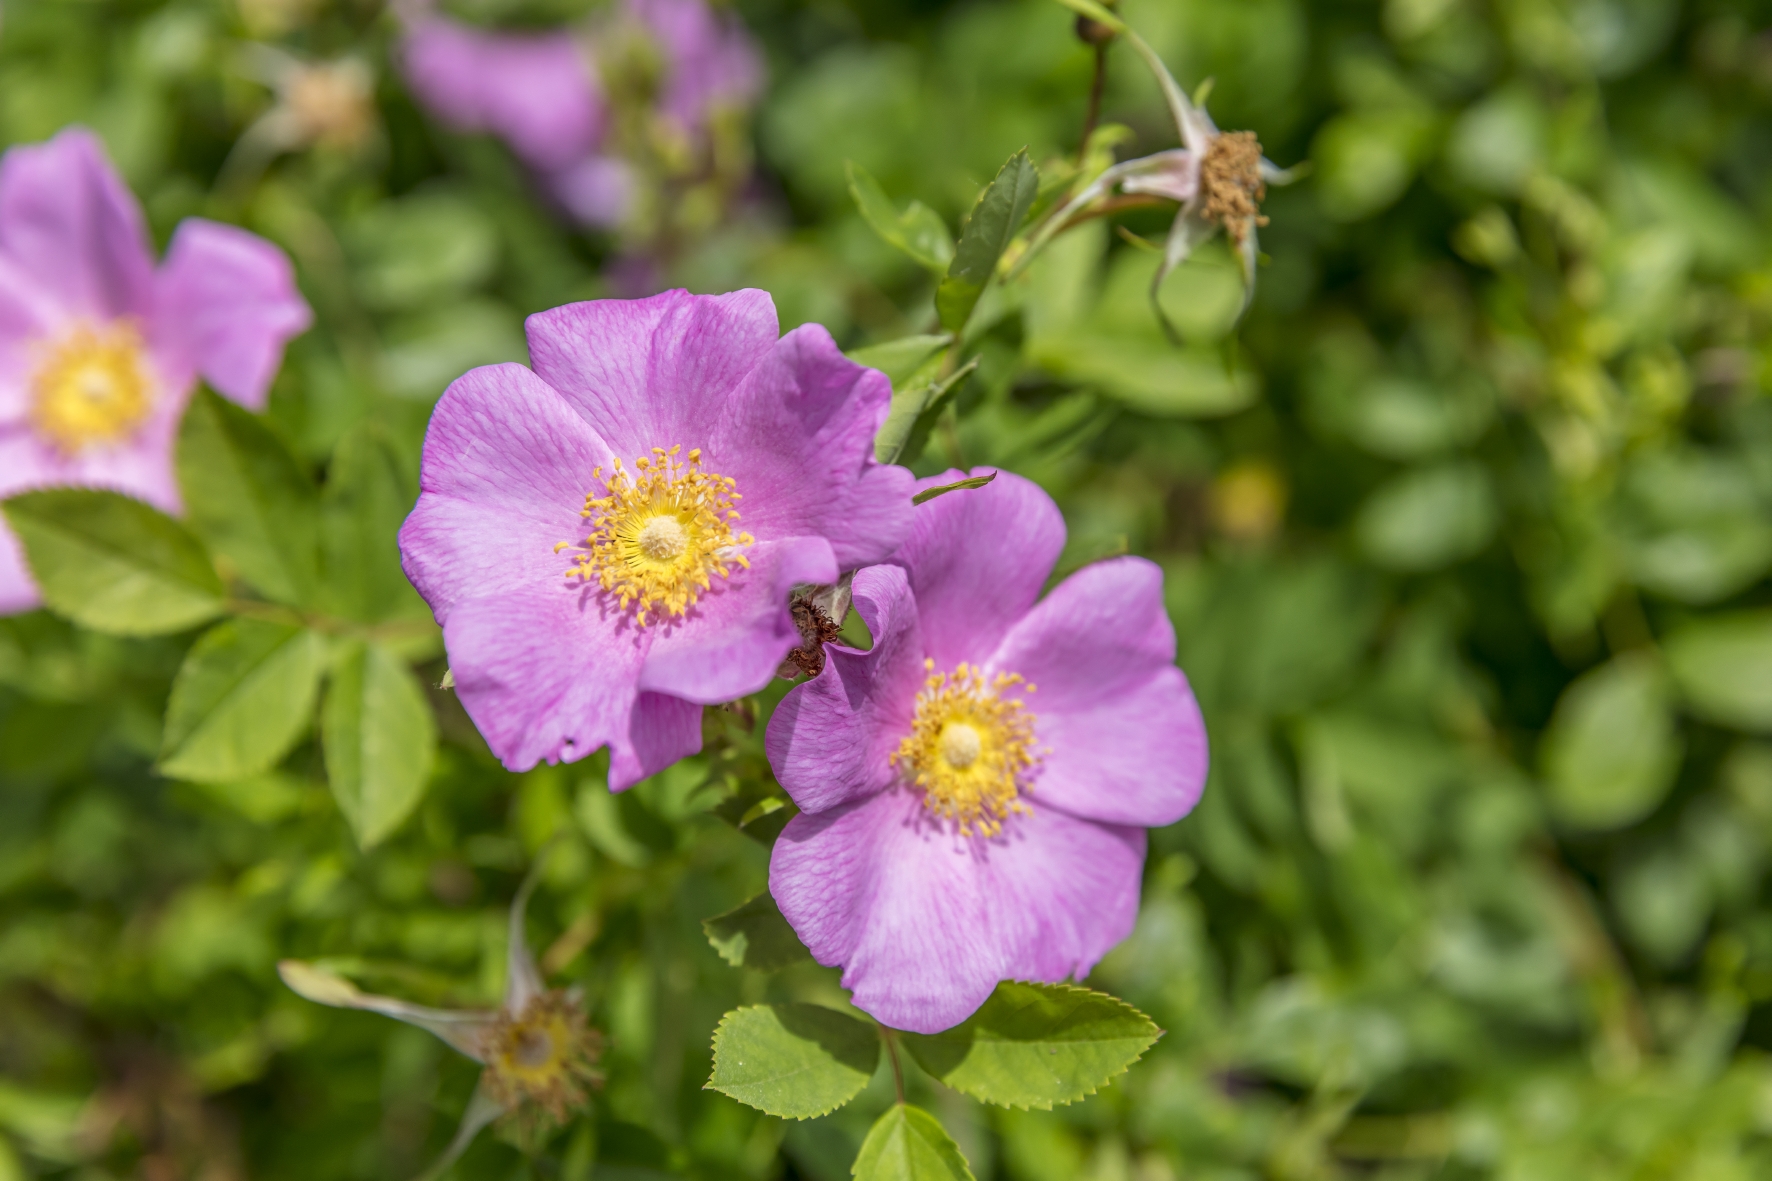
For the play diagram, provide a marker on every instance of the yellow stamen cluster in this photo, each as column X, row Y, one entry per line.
column 544, row 1057
column 658, row 538
column 90, row 387
column 970, row 748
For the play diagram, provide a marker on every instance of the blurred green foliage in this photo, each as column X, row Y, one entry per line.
column 1467, row 529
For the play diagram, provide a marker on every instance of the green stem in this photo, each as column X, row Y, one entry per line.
column 890, row 1037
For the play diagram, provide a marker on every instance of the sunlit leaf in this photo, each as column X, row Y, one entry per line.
column 1723, row 667
column 380, row 738
column 992, row 225
column 909, row 1144
column 243, row 696
column 755, row 935
column 917, row 230
column 796, row 1061
column 1036, row 1045
column 114, row 564
column 1611, row 751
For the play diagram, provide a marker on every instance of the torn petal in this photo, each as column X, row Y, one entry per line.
column 1174, row 174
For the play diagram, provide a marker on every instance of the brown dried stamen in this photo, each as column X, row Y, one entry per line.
column 545, row 1056
column 1230, row 183
column 816, row 630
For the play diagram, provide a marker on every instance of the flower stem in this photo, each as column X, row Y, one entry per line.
column 890, row 1037
column 1093, row 115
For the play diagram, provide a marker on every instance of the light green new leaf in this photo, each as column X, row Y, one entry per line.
column 795, row 1061
column 1036, row 1045
column 929, row 494
column 989, row 230
column 380, row 739
column 243, row 696
column 249, row 498
column 1723, row 667
column 1611, row 751
column 918, row 231
column 755, row 935
column 114, row 564
column 909, row 1144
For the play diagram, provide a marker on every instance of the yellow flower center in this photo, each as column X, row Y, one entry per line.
column 970, row 749
column 658, row 538
column 91, row 387
column 545, row 1055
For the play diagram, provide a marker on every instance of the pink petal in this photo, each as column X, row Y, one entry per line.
column 537, row 92
column 737, row 634
column 797, row 434
column 506, row 467
column 545, row 676
column 69, row 222
column 926, row 922
column 977, row 560
column 653, row 372
column 227, row 303
column 830, row 739
column 1124, row 740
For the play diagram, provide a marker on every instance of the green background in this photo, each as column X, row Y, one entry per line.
column 1466, row 531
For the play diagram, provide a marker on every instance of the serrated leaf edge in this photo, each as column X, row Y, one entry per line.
column 1156, row 1035
column 714, row 1046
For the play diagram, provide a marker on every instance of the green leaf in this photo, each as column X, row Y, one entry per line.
column 368, row 495
column 918, row 231
column 795, row 1061
column 1611, row 751
column 989, row 230
column 909, row 1144
column 1036, row 1045
column 242, row 697
column 1149, row 375
column 113, row 563
column 900, row 359
column 249, row 498
column 755, row 935
column 914, row 411
column 929, row 494
column 1429, row 518
column 380, row 739
column 1723, row 667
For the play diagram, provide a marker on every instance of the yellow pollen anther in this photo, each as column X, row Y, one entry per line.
column 658, row 538
column 91, row 387
column 970, row 749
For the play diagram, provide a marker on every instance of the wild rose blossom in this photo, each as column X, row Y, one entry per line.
column 975, row 787
column 99, row 349
column 610, row 541
column 544, row 95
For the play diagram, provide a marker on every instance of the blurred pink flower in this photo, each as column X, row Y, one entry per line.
column 100, row 349
column 542, row 93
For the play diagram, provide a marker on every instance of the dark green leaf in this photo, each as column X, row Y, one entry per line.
column 368, row 494
column 1036, row 1045
column 249, row 498
column 918, row 231
column 755, row 935
column 929, row 494
column 113, row 563
column 989, row 230
column 380, row 738
column 909, row 1144
column 795, row 1061
column 243, row 696
column 1723, row 667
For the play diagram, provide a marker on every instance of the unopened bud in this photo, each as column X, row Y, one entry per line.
column 1092, row 32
